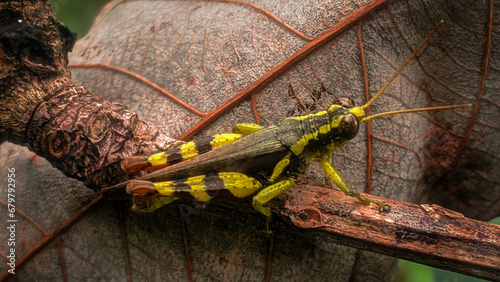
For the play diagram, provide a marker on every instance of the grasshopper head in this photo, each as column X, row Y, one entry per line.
column 345, row 120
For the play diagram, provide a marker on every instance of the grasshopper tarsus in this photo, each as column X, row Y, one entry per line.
column 268, row 231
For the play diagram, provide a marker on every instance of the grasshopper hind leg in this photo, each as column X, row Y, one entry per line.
column 151, row 204
column 186, row 151
column 145, row 196
column 246, row 128
column 149, row 196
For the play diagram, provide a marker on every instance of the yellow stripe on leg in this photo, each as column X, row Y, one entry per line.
column 198, row 188
column 166, row 188
column 193, row 185
column 240, row 185
column 185, row 151
column 246, row 128
column 220, row 140
column 189, row 150
column 192, row 149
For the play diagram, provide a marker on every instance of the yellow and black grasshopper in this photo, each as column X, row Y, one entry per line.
column 255, row 159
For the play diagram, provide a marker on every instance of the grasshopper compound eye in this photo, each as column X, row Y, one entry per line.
column 349, row 127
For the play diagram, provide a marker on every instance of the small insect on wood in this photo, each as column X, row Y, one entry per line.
column 266, row 160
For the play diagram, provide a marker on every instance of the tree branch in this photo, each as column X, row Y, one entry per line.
column 427, row 234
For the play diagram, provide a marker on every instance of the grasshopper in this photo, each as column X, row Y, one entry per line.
column 266, row 160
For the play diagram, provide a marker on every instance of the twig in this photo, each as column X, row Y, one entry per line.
column 427, row 234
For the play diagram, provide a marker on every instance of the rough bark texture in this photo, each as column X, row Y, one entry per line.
column 81, row 134
column 427, row 234
column 205, row 53
column 34, row 58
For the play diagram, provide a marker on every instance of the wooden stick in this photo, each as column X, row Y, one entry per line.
column 427, row 234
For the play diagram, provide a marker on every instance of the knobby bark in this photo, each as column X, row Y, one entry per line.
column 86, row 137
column 81, row 134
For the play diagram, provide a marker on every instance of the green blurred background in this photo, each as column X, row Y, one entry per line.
column 78, row 16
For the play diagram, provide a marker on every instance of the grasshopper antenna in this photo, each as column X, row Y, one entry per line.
column 417, row 111
column 413, row 55
column 388, row 83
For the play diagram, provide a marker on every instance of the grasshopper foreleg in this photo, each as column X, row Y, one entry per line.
column 343, row 185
